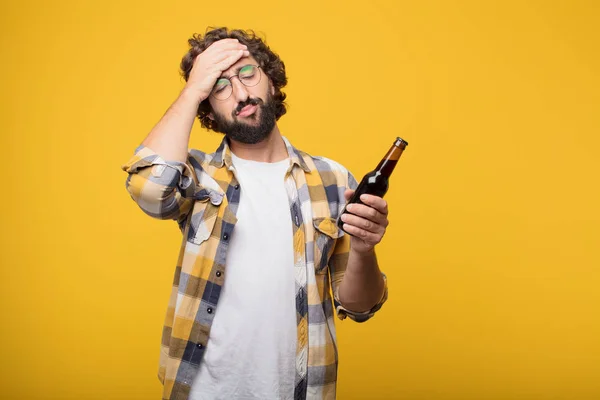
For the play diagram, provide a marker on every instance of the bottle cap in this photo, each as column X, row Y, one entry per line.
column 401, row 143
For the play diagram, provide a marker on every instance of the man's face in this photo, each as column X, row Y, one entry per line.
column 248, row 115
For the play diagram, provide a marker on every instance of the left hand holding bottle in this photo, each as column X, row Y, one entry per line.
column 365, row 222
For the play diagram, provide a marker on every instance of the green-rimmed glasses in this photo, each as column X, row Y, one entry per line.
column 249, row 75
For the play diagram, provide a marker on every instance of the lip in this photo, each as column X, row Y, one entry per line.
column 248, row 110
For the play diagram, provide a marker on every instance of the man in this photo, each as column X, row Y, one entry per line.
column 250, row 315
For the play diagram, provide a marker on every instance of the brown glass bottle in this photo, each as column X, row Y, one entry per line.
column 376, row 182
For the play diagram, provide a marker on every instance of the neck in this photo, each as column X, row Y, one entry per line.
column 270, row 150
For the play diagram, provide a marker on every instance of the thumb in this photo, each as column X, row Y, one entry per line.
column 348, row 194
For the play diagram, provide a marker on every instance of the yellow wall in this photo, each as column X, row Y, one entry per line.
column 492, row 253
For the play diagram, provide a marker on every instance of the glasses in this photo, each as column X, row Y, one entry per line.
column 249, row 75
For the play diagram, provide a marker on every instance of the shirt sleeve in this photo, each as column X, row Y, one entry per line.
column 162, row 189
column 337, row 268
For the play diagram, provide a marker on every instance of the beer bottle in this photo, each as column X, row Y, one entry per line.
column 376, row 181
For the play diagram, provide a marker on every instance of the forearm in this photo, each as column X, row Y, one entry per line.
column 362, row 286
column 155, row 171
column 171, row 135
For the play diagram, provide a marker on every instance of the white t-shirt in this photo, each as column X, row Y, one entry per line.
column 251, row 351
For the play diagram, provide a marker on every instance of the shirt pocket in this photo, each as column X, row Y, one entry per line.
column 204, row 215
column 326, row 234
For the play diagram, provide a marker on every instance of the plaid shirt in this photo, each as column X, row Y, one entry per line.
column 203, row 196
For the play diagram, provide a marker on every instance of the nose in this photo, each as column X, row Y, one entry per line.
column 240, row 91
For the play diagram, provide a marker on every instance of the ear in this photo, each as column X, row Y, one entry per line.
column 272, row 88
column 211, row 116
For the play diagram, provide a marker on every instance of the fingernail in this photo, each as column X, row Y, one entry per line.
column 349, row 207
column 364, row 197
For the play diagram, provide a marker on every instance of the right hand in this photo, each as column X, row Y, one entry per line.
column 210, row 64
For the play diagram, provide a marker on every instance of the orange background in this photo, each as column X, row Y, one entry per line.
column 492, row 254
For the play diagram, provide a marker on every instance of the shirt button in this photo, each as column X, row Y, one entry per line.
column 218, row 273
column 236, row 187
column 199, row 345
column 225, row 236
column 209, row 310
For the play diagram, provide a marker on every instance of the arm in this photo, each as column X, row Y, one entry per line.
column 159, row 180
column 350, row 302
column 170, row 136
column 363, row 285
column 359, row 287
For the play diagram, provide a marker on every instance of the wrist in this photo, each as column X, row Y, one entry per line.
column 363, row 253
column 362, row 259
column 193, row 95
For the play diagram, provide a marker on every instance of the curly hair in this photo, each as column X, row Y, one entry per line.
column 269, row 62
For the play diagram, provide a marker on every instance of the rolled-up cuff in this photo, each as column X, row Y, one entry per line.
column 342, row 312
column 173, row 174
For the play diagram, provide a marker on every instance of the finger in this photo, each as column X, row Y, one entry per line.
column 367, row 212
column 376, row 202
column 348, row 194
column 368, row 237
column 363, row 223
column 223, row 43
column 231, row 59
column 217, row 48
column 232, row 46
column 219, row 57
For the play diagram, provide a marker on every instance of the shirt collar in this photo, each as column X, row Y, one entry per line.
column 223, row 155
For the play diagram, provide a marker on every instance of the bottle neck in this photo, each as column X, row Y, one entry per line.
column 388, row 163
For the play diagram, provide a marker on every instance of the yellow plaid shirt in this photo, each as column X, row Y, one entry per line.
column 203, row 196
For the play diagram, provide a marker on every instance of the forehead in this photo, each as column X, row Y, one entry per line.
column 239, row 64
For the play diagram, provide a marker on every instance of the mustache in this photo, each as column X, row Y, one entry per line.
column 248, row 102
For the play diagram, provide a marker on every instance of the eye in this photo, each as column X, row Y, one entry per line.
column 247, row 72
column 221, row 85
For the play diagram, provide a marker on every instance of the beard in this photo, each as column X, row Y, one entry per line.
column 264, row 119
